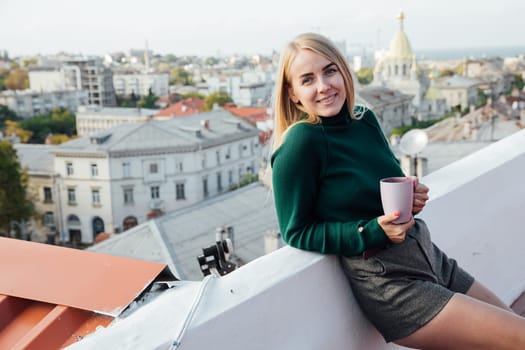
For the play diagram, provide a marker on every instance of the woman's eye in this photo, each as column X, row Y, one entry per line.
column 306, row 81
column 331, row 71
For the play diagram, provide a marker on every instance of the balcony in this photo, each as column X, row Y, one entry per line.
column 291, row 299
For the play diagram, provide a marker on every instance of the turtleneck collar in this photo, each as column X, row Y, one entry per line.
column 341, row 118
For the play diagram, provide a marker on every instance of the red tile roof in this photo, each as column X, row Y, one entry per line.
column 252, row 114
column 188, row 106
column 53, row 296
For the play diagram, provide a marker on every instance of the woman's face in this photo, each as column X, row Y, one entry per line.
column 317, row 83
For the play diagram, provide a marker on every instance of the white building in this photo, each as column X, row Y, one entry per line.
column 141, row 83
column 116, row 179
column 391, row 107
column 93, row 118
column 250, row 88
column 397, row 69
column 27, row 103
column 458, row 91
column 77, row 73
column 37, row 161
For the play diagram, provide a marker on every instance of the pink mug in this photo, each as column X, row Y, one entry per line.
column 397, row 194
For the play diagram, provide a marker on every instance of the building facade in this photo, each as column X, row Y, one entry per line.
column 27, row 103
column 397, row 69
column 141, row 84
column 113, row 180
column 88, row 74
column 92, row 119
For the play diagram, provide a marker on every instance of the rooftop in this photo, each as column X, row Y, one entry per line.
column 289, row 299
column 70, row 293
column 178, row 134
column 292, row 299
column 177, row 238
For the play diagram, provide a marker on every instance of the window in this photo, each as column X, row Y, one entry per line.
column 230, row 177
column 218, row 156
column 219, row 181
column 204, row 161
column 95, row 197
column 228, row 152
column 153, row 168
column 69, row 168
column 128, row 195
column 71, row 196
column 179, row 189
column 48, row 197
column 49, row 219
column 178, row 166
column 205, row 187
column 94, row 170
column 126, row 169
column 155, row 192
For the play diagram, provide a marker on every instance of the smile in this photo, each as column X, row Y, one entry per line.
column 327, row 100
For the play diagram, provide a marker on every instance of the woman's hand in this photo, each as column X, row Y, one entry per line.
column 395, row 232
column 420, row 196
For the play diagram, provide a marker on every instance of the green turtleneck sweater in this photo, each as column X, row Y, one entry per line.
column 326, row 184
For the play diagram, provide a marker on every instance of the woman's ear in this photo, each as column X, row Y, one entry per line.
column 292, row 95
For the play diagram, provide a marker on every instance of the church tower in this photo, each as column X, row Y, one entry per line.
column 398, row 68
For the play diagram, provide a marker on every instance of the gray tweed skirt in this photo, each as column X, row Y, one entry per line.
column 404, row 286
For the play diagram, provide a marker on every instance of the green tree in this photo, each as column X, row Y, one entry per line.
column 3, row 76
column 211, row 61
column 13, row 128
column 18, row 79
column 365, row 75
column 218, row 97
column 59, row 121
column 179, row 76
column 14, row 205
column 148, row 101
column 518, row 82
column 6, row 114
column 194, row 95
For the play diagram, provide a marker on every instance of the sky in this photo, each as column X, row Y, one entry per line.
column 244, row 27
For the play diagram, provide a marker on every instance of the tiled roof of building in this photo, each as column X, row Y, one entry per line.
column 185, row 107
column 253, row 114
column 377, row 96
column 453, row 82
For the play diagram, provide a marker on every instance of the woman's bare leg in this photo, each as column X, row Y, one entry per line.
column 480, row 292
column 466, row 323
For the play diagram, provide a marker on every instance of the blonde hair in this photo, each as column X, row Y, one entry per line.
column 286, row 112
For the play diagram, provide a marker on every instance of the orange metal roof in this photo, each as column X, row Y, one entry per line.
column 26, row 324
column 82, row 279
column 53, row 296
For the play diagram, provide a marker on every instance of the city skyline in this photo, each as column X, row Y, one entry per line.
column 30, row 27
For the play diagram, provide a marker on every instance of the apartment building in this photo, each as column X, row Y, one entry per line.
column 91, row 119
column 82, row 73
column 27, row 103
column 141, row 84
column 113, row 180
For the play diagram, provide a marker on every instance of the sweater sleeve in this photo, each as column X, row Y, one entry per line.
column 297, row 166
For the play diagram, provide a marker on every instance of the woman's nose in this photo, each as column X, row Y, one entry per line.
column 323, row 84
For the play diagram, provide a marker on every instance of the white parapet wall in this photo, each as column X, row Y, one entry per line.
column 291, row 299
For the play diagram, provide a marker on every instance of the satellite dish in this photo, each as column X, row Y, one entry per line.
column 413, row 141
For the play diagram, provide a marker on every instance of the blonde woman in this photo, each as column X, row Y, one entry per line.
column 328, row 157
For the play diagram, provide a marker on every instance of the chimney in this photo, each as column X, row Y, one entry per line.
column 272, row 241
column 205, row 123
